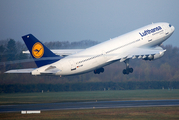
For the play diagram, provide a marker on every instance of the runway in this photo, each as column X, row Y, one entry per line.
column 88, row 105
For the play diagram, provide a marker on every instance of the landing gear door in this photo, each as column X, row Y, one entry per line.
column 73, row 65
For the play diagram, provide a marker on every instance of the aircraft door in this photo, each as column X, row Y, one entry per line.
column 73, row 66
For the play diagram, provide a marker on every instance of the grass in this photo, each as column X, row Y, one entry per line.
column 49, row 97
column 148, row 113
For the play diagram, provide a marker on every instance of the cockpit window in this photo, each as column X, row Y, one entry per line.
column 170, row 25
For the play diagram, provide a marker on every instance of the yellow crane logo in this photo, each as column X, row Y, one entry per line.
column 37, row 50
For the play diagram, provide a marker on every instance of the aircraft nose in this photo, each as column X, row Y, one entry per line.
column 173, row 29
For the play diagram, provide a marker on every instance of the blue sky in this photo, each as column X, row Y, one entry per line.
column 75, row 20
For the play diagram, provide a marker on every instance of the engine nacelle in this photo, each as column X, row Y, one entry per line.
column 154, row 57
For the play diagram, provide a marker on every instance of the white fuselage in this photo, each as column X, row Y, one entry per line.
column 106, row 53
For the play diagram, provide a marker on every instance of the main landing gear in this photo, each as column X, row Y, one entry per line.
column 98, row 71
column 127, row 70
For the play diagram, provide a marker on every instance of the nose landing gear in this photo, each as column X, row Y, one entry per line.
column 127, row 70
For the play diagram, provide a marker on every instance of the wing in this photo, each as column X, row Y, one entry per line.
column 61, row 52
column 139, row 53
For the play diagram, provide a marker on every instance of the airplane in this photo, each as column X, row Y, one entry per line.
column 144, row 43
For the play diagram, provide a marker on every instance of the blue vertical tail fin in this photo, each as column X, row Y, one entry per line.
column 40, row 53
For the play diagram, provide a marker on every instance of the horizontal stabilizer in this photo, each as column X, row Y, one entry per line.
column 29, row 70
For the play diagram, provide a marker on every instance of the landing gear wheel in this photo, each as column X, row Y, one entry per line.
column 98, row 71
column 125, row 71
column 130, row 70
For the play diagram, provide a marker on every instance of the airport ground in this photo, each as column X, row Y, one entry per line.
column 136, row 113
column 144, row 113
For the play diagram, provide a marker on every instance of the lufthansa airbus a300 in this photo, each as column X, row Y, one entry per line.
column 142, row 43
